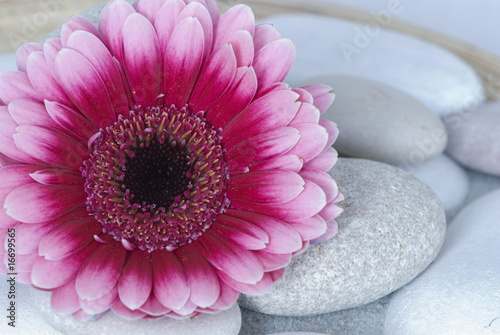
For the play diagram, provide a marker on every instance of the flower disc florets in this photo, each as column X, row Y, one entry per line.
column 156, row 178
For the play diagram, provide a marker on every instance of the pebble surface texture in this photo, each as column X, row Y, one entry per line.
column 324, row 46
column 363, row 320
column 460, row 292
column 474, row 138
column 224, row 323
column 446, row 178
column 391, row 229
column 382, row 123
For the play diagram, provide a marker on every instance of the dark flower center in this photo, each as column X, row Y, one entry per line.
column 157, row 178
column 157, row 174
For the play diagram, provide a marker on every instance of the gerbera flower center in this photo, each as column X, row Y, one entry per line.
column 157, row 178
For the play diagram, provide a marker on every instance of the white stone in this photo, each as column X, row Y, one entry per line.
column 224, row 323
column 474, row 138
column 446, row 178
column 460, row 292
column 436, row 77
column 382, row 123
column 391, row 229
column 297, row 333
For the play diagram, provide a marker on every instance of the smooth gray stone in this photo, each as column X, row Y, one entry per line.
column 460, row 292
column 474, row 138
column 391, row 229
column 382, row 123
column 362, row 320
column 324, row 45
column 224, row 323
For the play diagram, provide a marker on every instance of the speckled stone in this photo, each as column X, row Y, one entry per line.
column 434, row 76
column 460, row 292
column 381, row 122
column 391, row 229
column 224, row 323
column 362, row 320
column 297, row 333
column 474, row 138
column 447, row 179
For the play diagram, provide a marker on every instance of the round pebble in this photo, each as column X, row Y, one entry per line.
column 474, row 138
column 391, row 229
column 224, row 323
column 382, row 123
column 460, row 292
column 446, row 178
column 434, row 76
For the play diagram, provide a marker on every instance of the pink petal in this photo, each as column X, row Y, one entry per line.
column 101, row 304
column 323, row 96
column 182, row 62
column 282, row 238
column 123, row 311
column 85, row 87
column 100, row 273
column 242, row 44
column 270, row 144
column 272, row 62
column 243, row 226
column 187, row 309
column 149, row 8
column 46, row 202
column 16, row 85
column 308, row 203
column 212, row 7
column 136, row 281
column 6, row 161
column 166, row 21
column 27, row 111
column 227, row 297
column 313, row 139
column 111, row 21
column 309, row 228
column 43, row 80
column 203, row 281
column 28, row 236
column 305, row 96
column 51, row 48
column 307, row 113
column 262, row 286
column 24, row 263
column 272, row 261
column 82, row 316
column 58, row 177
column 7, row 130
column 240, row 264
column 170, row 284
column 286, row 162
column 69, row 238
column 50, row 146
column 101, row 59
column 200, row 12
column 271, row 111
column 264, row 34
column 332, row 229
column 331, row 129
column 75, row 23
column 331, row 211
column 265, row 187
column 238, row 95
column 238, row 237
column 239, row 17
column 67, row 268
column 323, row 180
column 143, row 66
column 153, row 307
column 324, row 161
column 214, row 80
column 64, row 299
column 23, row 53
column 71, row 120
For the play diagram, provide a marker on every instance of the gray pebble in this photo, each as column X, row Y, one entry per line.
column 391, row 229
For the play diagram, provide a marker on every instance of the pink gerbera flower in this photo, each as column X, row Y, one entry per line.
column 158, row 165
